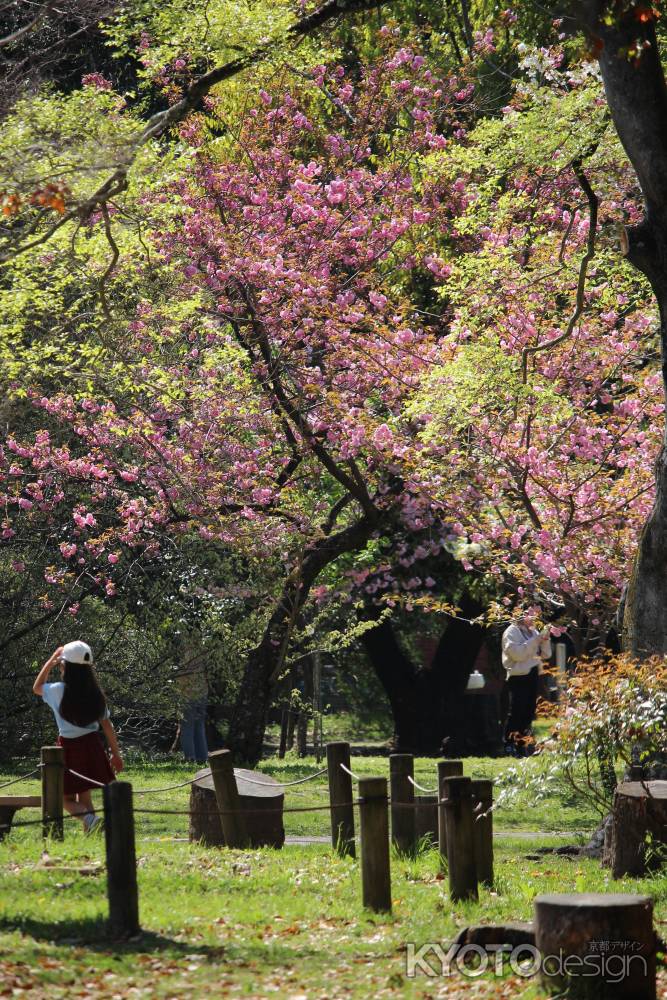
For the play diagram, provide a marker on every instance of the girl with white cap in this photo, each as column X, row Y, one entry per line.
column 80, row 709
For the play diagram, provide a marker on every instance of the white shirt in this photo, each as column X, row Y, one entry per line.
column 523, row 649
column 53, row 695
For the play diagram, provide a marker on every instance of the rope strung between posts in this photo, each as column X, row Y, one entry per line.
column 22, row 777
column 285, row 784
column 50, row 821
column 181, row 784
column 244, row 812
column 226, row 812
column 250, row 781
column 354, row 776
column 99, row 784
column 170, row 788
column 420, row 788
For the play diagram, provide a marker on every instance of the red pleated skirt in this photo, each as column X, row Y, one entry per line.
column 86, row 755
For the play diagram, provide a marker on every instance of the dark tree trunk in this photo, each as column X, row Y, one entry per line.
column 398, row 677
column 427, row 704
column 248, row 723
column 637, row 98
column 452, row 665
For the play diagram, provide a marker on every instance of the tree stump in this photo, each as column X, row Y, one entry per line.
column 639, row 812
column 262, row 805
column 598, row 946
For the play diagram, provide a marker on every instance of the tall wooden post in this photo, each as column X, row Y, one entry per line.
column 122, row 890
column 227, row 797
column 401, row 769
column 340, row 799
column 482, row 801
column 460, row 844
column 374, row 822
column 53, row 776
column 446, row 769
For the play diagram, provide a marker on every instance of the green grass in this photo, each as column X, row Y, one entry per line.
column 264, row 923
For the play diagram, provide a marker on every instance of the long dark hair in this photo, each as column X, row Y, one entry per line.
column 83, row 700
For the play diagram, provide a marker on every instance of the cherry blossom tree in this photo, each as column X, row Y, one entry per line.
column 261, row 400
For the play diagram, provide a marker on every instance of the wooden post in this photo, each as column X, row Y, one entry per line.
column 122, row 889
column 426, row 819
column 227, row 797
column 446, row 769
column 597, row 945
column 401, row 768
column 482, row 802
column 340, row 799
column 53, row 776
column 374, row 822
column 460, row 844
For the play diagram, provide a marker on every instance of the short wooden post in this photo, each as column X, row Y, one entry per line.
column 227, row 797
column 340, row 799
column 597, row 946
column 53, row 776
column 401, row 769
column 460, row 844
column 374, row 821
column 446, row 769
column 482, row 806
column 426, row 819
column 122, row 889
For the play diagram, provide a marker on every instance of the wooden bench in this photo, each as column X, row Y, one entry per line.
column 9, row 804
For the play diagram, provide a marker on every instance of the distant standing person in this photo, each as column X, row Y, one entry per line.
column 523, row 650
column 82, row 715
column 193, row 689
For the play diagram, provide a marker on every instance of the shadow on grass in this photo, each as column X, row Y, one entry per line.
column 94, row 934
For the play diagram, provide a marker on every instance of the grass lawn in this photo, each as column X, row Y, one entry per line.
column 267, row 923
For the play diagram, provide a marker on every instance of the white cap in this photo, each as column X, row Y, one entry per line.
column 77, row 652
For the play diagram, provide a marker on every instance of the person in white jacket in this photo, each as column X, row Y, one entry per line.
column 524, row 650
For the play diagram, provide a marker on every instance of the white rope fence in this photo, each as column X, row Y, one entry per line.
column 420, row 788
column 191, row 781
column 284, row 784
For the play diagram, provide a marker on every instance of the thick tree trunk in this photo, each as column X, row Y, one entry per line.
column 428, row 706
column 452, row 665
column 248, row 723
column 645, row 617
column 398, row 677
column 635, row 87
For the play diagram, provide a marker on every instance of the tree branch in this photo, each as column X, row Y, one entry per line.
column 196, row 92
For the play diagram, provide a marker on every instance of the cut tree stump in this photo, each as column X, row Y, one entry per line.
column 639, row 813
column 262, row 806
column 598, row 946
